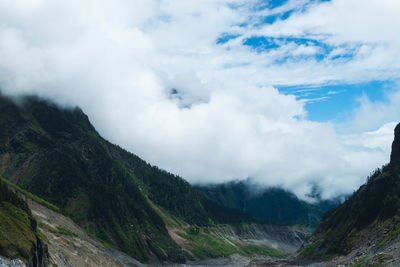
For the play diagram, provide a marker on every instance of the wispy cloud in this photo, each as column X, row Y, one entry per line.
column 314, row 100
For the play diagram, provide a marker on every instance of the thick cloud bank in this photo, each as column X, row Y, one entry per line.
column 155, row 77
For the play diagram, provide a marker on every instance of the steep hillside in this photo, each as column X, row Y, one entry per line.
column 176, row 195
column 57, row 155
column 270, row 204
column 370, row 217
column 19, row 236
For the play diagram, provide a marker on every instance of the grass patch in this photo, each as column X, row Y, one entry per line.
column 393, row 234
column 204, row 245
column 207, row 243
column 311, row 252
column 17, row 238
column 168, row 219
column 43, row 236
column 242, row 227
column 31, row 196
column 353, row 237
column 188, row 256
column 63, row 231
column 360, row 262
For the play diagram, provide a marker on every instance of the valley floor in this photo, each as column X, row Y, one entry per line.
column 370, row 253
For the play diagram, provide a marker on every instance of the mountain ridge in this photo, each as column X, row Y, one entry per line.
column 269, row 204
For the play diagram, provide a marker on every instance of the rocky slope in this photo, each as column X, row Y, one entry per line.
column 284, row 238
column 69, row 245
column 5, row 262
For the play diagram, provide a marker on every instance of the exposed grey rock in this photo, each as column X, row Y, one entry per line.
column 4, row 262
column 285, row 238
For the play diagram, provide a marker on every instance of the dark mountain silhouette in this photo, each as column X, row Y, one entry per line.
column 274, row 205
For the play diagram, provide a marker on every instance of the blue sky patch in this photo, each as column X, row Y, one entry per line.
column 273, row 18
column 269, row 4
column 262, row 44
column 336, row 102
column 226, row 37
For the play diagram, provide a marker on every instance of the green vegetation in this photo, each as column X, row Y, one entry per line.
column 205, row 243
column 339, row 228
column 19, row 237
column 251, row 250
column 168, row 219
column 63, row 231
column 380, row 259
column 312, row 252
column 31, row 196
column 175, row 195
column 309, row 250
column 361, row 262
column 393, row 234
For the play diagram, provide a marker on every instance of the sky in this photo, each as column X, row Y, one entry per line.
column 298, row 94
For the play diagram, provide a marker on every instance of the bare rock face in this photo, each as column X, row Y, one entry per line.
column 72, row 247
column 395, row 156
column 39, row 255
column 285, row 238
column 4, row 262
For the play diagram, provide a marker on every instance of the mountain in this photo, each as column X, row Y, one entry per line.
column 269, row 204
column 57, row 155
column 368, row 222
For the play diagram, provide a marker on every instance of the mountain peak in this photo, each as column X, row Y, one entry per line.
column 395, row 156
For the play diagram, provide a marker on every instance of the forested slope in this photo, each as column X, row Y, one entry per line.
column 274, row 205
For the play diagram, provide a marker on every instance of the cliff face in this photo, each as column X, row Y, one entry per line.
column 19, row 236
column 395, row 155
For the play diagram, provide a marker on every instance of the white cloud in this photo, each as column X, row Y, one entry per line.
column 119, row 61
column 371, row 114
